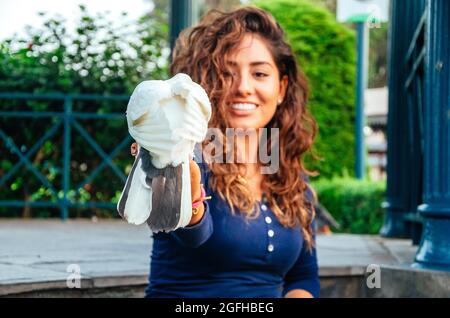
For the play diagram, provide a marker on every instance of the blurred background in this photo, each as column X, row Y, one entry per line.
column 107, row 48
column 379, row 93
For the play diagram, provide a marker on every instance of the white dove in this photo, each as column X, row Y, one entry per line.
column 166, row 118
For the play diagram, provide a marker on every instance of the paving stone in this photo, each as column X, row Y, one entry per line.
column 34, row 255
column 404, row 281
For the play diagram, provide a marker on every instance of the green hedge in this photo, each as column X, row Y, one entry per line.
column 355, row 204
column 326, row 51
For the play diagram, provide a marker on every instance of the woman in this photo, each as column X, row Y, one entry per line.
column 255, row 237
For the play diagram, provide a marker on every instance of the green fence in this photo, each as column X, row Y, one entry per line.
column 68, row 120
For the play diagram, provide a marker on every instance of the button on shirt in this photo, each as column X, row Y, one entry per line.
column 226, row 255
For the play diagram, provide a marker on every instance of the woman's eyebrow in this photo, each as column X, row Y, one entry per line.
column 255, row 63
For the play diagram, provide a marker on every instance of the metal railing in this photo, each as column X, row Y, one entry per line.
column 407, row 52
column 68, row 120
column 414, row 88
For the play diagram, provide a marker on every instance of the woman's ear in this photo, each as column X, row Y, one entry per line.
column 283, row 88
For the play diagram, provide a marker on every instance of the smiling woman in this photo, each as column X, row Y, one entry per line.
column 255, row 237
column 258, row 88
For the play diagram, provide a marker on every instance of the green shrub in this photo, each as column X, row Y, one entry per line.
column 326, row 52
column 355, row 204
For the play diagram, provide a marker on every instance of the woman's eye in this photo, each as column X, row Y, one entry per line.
column 259, row 74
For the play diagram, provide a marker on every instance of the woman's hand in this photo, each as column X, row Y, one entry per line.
column 134, row 149
column 196, row 190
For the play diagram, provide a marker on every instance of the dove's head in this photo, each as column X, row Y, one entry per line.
column 167, row 118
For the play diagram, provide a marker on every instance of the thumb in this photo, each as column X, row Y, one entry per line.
column 195, row 179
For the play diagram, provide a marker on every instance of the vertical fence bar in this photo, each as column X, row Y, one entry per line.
column 395, row 205
column 402, row 198
column 66, row 164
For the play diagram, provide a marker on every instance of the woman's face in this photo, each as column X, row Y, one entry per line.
column 257, row 89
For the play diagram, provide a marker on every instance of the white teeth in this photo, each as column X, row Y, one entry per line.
column 243, row 106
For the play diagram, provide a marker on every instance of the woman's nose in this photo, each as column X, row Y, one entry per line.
column 244, row 85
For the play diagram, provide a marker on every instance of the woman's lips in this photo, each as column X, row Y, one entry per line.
column 243, row 109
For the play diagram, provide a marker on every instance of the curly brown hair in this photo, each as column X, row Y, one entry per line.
column 200, row 52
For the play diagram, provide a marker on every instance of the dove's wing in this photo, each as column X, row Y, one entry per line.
column 135, row 202
column 166, row 200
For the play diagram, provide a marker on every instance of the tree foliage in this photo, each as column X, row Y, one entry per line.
column 100, row 56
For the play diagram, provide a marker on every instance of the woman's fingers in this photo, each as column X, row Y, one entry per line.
column 133, row 149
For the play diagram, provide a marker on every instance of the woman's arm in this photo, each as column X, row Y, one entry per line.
column 200, row 227
column 302, row 280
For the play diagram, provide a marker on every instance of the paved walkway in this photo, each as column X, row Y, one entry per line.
column 36, row 254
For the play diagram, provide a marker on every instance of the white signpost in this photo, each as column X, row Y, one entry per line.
column 366, row 14
column 362, row 11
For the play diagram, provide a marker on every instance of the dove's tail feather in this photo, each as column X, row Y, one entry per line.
column 166, row 200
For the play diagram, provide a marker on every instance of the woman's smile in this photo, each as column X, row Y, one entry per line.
column 243, row 109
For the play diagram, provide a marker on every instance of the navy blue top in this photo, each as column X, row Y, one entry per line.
column 225, row 255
